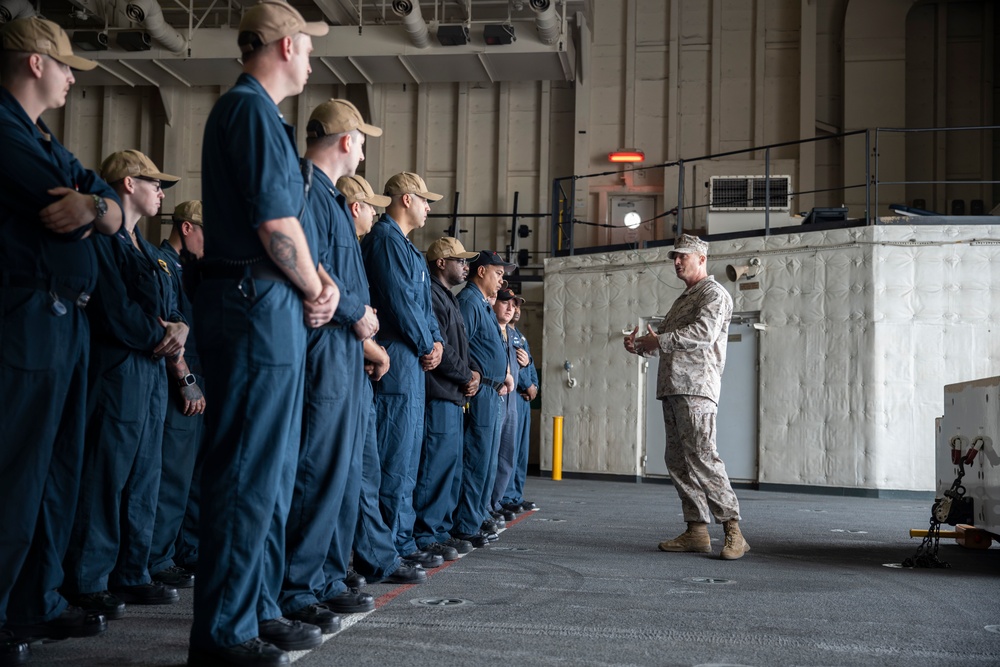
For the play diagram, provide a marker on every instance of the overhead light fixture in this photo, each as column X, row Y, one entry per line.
column 495, row 34
column 632, row 220
column 626, row 155
column 90, row 40
column 453, row 35
column 134, row 40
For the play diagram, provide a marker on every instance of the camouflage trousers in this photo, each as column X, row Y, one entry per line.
column 698, row 474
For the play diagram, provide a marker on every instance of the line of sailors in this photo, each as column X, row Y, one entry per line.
column 344, row 417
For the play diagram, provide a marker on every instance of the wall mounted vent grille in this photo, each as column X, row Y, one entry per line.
column 747, row 193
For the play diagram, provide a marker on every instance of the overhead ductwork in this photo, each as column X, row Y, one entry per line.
column 413, row 21
column 143, row 14
column 15, row 9
column 546, row 21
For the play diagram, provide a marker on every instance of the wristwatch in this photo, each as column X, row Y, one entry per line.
column 186, row 381
column 101, row 206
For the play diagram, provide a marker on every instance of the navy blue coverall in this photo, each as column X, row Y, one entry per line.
column 439, row 478
column 43, row 364
column 181, row 440
column 375, row 554
column 401, row 293
column 508, row 431
column 527, row 376
column 126, row 408
column 330, row 453
column 254, row 365
column 482, row 426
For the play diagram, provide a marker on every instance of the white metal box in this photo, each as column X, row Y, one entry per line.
column 972, row 419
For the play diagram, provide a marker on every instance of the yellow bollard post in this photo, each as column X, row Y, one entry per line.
column 557, row 439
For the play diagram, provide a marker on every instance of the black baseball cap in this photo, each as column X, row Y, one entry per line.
column 507, row 294
column 490, row 258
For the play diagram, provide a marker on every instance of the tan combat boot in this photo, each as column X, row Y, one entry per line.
column 735, row 545
column 695, row 539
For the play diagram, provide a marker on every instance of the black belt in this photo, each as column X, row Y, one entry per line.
column 258, row 271
column 52, row 286
column 496, row 386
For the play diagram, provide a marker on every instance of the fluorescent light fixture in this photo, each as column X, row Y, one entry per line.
column 626, row 155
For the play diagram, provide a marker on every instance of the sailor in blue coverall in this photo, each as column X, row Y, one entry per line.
column 136, row 328
column 448, row 388
column 258, row 287
column 375, row 555
column 482, row 427
column 507, row 453
column 182, row 428
column 330, row 453
column 49, row 204
column 400, row 291
column 527, row 388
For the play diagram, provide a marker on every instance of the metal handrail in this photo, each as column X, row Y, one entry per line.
column 563, row 204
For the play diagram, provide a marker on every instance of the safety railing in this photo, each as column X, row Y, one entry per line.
column 564, row 189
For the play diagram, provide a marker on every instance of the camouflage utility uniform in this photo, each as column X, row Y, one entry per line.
column 692, row 352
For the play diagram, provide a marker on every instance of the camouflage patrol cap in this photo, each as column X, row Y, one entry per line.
column 686, row 244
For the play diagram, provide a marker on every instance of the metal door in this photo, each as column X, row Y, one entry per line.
column 736, row 425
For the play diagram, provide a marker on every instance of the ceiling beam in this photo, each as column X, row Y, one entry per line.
column 338, row 12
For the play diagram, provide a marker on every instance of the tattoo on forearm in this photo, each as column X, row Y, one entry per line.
column 284, row 254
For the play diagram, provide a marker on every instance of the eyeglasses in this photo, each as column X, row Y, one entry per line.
column 461, row 261
column 154, row 181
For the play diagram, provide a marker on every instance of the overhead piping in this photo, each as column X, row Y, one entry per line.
column 413, row 21
column 15, row 9
column 546, row 21
column 144, row 14
column 147, row 15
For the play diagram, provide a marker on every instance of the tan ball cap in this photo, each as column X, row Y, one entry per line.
column 408, row 183
column 448, row 247
column 336, row 117
column 271, row 20
column 190, row 211
column 356, row 189
column 36, row 35
column 133, row 163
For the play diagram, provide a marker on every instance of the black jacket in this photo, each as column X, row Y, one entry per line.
column 445, row 382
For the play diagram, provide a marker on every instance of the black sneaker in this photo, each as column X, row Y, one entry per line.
column 507, row 515
column 254, row 652
column 498, row 519
column 153, row 593
column 528, row 506
column 407, row 573
column 426, row 560
column 175, row 576
column 514, row 508
column 110, row 606
column 13, row 651
column 461, row 546
column 319, row 615
column 490, row 526
column 443, row 550
column 351, row 601
column 290, row 635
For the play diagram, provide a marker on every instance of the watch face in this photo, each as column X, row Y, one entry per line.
column 100, row 205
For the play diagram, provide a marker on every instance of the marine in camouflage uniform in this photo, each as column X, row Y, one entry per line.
column 691, row 343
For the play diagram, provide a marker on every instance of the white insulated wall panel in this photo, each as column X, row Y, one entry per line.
column 864, row 327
